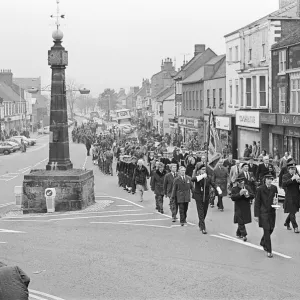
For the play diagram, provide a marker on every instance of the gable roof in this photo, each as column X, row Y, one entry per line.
column 292, row 39
column 288, row 11
column 8, row 94
column 220, row 71
column 197, row 76
column 165, row 93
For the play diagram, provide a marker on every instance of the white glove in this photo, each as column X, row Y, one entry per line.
column 219, row 190
column 199, row 177
column 204, row 175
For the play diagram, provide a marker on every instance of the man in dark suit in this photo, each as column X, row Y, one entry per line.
column 252, row 167
column 182, row 193
column 249, row 178
column 291, row 183
column 229, row 162
column 283, row 171
column 264, row 169
column 168, row 187
column 264, row 213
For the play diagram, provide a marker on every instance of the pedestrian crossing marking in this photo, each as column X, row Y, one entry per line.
column 33, row 294
column 238, row 241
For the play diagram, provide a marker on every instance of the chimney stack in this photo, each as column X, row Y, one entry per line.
column 6, row 76
column 199, row 48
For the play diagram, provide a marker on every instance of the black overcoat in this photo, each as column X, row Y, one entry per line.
column 263, row 209
column 242, row 206
column 292, row 194
column 182, row 189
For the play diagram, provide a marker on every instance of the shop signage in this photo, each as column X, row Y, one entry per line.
column 292, row 132
column 223, row 123
column 247, row 118
column 266, row 118
column 288, row 120
column 182, row 121
column 190, row 122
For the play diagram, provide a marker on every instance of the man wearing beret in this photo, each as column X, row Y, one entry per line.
column 291, row 183
column 264, row 213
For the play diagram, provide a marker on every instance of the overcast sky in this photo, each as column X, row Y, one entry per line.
column 117, row 43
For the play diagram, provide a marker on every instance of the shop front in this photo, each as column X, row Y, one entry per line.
column 248, row 129
column 191, row 128
column 268, row 126
column 225, row 126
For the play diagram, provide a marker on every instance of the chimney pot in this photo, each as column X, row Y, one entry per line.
column 199, row 48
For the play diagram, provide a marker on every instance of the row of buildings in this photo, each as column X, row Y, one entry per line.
column 18, row 107
column 253, row 89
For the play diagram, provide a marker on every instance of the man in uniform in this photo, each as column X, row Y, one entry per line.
column 168, row 187
column 131, row 168
column 264, row 213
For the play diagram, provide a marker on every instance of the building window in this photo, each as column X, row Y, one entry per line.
column 263, row 43
column 282, row 99
column 201, row 100
column 190, row 100
column 282, row 61
column 183, row 100
column 197, row 100
column 248, row 92
column 242, row 91
column 262, row 91
column 194, row 100
column 236, row 92
column 230, row 92
column 230, row 54
column 208, row 102
column 236, row 53
column 254, row 93
column 220, row 98
column 214, row 98
column 249, row 48
column 295, row 96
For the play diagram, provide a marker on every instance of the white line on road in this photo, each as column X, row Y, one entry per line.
column 171, row 218
column 125, row 215
column 117, row 223
column 40, row 162
column 125, row 205
column 146, row 220
column 232, row 239
column 11, row 174
column 3, row 243
column 10, row 231
column 43, row 294
column 24, row 169
column 7, row 204
column 117, row 198
column 72, row 213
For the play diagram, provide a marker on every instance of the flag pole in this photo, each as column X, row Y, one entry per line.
column 207, row 145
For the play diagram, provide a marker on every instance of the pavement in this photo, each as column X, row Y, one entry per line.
column 121, row 248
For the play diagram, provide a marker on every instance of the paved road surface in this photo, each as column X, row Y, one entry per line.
column 122, row 249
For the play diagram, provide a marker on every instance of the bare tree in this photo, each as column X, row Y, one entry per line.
column 72, row 94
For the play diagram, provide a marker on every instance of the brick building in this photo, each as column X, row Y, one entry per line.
column 284, row 122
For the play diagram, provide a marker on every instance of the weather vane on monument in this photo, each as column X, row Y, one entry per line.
column 58, row 16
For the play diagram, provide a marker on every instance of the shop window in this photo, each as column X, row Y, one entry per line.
column 242, row 91
column 262, row 91
column 248, row 92
column 282, row 61
column 214, row 98
column 282, row 99
column 208, row 100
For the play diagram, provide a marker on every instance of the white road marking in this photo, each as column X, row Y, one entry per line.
column 24, row 169
column 10, row 231
column 146, row 220
column 7, row 204
column 125, row 205
column 40, row 162
column 11, row 174
column 43, row 294
column 117, row 198
column 125, row 215
column 117, row 223
column 233, row 239
column 171, row 218
column 3, row 243
column 72, row 213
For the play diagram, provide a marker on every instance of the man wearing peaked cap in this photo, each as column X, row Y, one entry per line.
column 264, row 211
column 291, row 183
column 283, row 171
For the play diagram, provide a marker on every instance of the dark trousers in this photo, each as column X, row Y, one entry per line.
column 160, row 202
column 220, row 202
column 173, row 207
column 291, row 218
column 156, row 202
column 266, row 240
column 202, row 208
column 88, row 151
column 183, row 207
column 241, row 231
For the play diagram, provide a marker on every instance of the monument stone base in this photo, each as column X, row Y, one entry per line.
column 74, row 190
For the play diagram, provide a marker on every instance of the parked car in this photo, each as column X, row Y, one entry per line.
column 15, row 146
column 30, row 141
column 18, row 141
column 5, row 149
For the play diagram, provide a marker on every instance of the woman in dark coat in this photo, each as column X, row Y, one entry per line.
column 242, row 195
column 157, row 185
column 190, row 166
column 291, row 184
column 203, row 184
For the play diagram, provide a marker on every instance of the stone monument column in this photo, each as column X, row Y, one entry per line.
column 59, row 154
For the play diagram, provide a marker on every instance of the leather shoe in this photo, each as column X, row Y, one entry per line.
column 288, row 227
column 270, row 255
column 245, row 239
column 174, row 220
column 182, row 224
column 204, row 231
column 296, row 230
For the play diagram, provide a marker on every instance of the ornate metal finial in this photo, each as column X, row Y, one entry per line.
column 58, row 15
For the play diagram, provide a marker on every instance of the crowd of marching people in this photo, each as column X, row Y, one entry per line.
column 182, row 174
